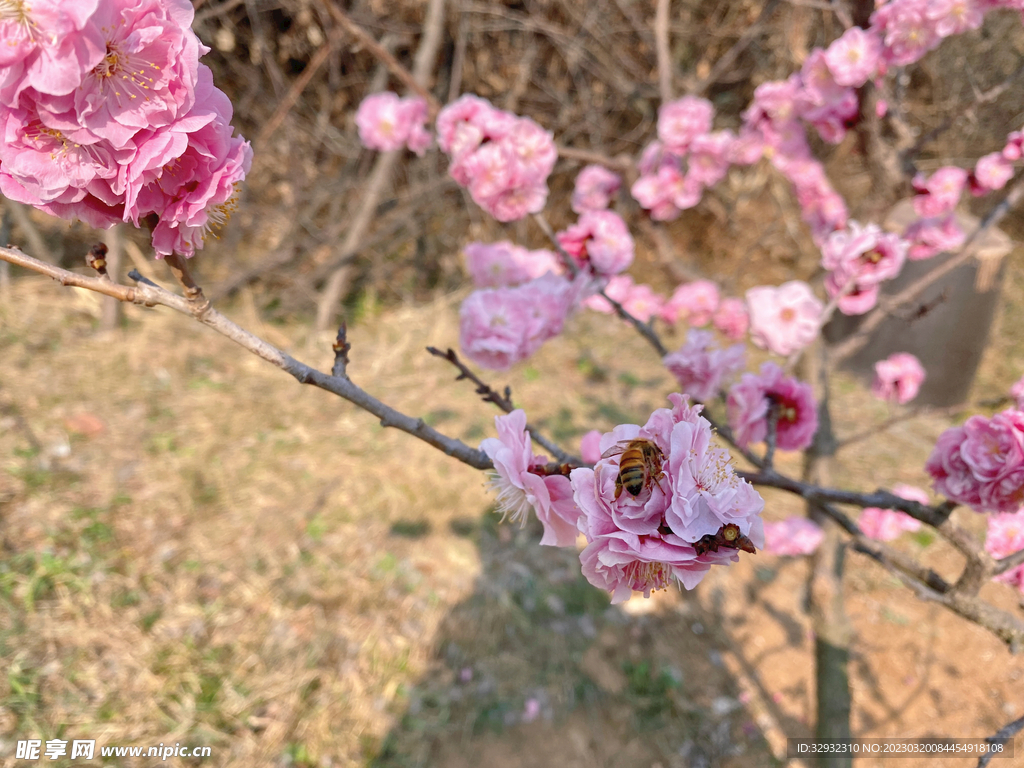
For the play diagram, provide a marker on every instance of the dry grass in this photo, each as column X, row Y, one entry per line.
column 202, row 551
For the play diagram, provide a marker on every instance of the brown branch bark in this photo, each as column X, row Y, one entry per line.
column 149, row 294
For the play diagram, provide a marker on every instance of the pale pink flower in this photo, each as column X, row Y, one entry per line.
column 991, row 172
column 708, row 161
column 646, row 542
column 939, row 193
column 784, row 319
column 617, row 289
column 495, row 265
column 694, row 302
column 595, row 186
column 502, row 326
column 792, row 536
column 681, row 121
column 951, row 17
column 48, row 46
column 1005, row 536
column 749, row 401
column 590, row 447
column 382, row 122
column 600, row 239
column 731, row 318
column 928, row 237
column 853, row 58
column 951, row 476
column 1014, row 148
column 888, row 524
column 643, row 303
column 521, row 491
column 907, row 31
column 898, row 378
column 1017, row 392
column 702, row 367
column 818, row 83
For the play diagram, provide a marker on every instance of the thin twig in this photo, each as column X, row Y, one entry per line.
column 1003, row 735
column 770, row 437
column 661, row 16
column 729, row 57
column 150, row 295
column 504, row 401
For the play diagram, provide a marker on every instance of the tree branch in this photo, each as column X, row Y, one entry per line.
column 149, row 294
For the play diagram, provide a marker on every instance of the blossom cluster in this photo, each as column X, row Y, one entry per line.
column 387, row 122
column 501, row 264
column 499, row 327
column 108, row 116
column 648, row 541
column 859, row 259
column 981, row 463
column 502, row 159
column 594, row 189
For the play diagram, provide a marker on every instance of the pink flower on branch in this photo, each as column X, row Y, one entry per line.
column 682, row 121
column 1005, row 536
column 898, row 378
column 701, row 367
column 981, row 464
column 595, row 187
column 731, row 319
column 521, row 490
column 503, row 326
column 694, row 302
column 601, row 240
column 853, row 58
column 859, row 258
column 387, row 122
column 671, row 529
column 939, row 193
column 784, row 319
column 792, row 536
column 889, row 524
column 496, row 265
column 749, row 402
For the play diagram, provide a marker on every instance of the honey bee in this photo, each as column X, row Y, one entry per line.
column 639, row 467
column 728, row 537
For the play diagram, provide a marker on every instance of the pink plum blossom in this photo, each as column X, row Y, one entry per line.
column 784, row 319
column 701, row 367
column 888, row 524
column 731, row 318
column 503, row 160
column 521, row 490
column 981, row 464
column 898, row 378
column 694, row 302
column 1005, row 536
column 952, row 17
column 907, row 31
column 1017, row 392
column 643, row 303
column 991, row 172
column 792, row 536
column 749, row 402
column 595, row 186
column 646, row 542
column 499, row 327
column 853, row 58
column 600, row 239
column 681, row 121
column 590, row 447
column 939, row 193
column 859, row 258
column 931, row 236
column 708, row 160
column 495, row 265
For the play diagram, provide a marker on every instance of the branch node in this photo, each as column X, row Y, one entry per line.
column 341, row 348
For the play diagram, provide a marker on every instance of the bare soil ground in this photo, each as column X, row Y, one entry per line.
column 198, row 550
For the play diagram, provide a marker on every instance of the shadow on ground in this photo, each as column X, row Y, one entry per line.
column 535, row 668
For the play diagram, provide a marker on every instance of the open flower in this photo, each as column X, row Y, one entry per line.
column 784, row 319
column 792, row 536
column 701, row 367
column 749, row 402
column 888, row 524
column 898, row 378
column 645, row 536
column 521, row 491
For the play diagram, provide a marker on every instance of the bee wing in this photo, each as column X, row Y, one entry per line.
column 615, row 450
